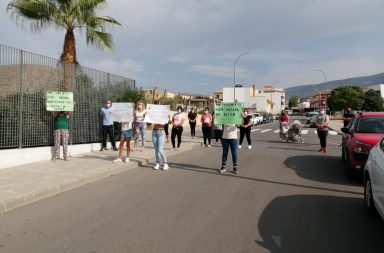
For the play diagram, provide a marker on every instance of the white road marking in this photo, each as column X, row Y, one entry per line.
column 254, row 130
column 304, row 131
column 266, row 130
column 277, row 131
column 332, row 132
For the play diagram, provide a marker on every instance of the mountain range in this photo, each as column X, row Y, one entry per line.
column 309, row 89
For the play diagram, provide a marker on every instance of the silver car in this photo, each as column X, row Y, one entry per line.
column 374, row 180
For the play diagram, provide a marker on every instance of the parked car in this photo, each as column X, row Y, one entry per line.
column 364, row 131
column 374, row 180
column 257, row 118
column 267, row 118
column 312, row 120
column 310, row 115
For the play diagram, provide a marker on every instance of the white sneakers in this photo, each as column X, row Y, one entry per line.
column 249, row 147
column 157, row 166
column 239, row 146
column 119, row 160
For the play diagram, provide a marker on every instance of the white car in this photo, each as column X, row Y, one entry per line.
column 257, row 118
column 374, row 179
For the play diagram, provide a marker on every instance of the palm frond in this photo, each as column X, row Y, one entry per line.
column 102, row 40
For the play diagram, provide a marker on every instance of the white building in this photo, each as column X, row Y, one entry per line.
column 378, row 88
column 269, row 99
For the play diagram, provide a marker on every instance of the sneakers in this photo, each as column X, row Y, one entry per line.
column 102, row 148
column 223, row 169
column 157, row 166
column 324, row 150
column 166, row 167
column 239, row 146
column 66, row 158
column 235, row 171
column 53, row 159
column 126, row 160
column 118, row 160
column 209, row 145
column 249, row 147
column 115, row 149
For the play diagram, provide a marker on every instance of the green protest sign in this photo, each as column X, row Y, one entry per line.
column 228, row 113
column 59, row 101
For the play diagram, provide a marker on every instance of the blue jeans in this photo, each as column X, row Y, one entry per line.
column 229, row 143
column 158, row 139
column 139, row 130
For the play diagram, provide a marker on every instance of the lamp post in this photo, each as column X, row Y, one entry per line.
column 234, row 75
column 325, row 82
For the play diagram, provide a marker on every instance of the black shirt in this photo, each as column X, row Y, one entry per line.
column 246, row 119
column 349, row 116
column 192, row 115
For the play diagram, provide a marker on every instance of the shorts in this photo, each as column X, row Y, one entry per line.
column 127, row 133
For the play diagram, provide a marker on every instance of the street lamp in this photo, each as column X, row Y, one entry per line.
column 325, row 82
column 234, row 75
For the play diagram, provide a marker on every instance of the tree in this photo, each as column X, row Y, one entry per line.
column 346, row 96
column 372, row 101
column 293, row 101
column 68, row 15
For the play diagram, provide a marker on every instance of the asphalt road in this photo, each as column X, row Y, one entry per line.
column 286, row 198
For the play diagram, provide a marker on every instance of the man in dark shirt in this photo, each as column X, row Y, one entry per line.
column 347, row 117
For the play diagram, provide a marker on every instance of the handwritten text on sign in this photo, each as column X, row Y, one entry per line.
column 122, row 112
column 59, row 101
column 228, row 113
column 157, row 114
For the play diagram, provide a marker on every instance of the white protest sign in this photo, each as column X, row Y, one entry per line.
column 157, row 114
column 122, row 112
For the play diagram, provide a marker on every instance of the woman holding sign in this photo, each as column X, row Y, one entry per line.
column 140, row 124
column 206, row 122
column 61, row 134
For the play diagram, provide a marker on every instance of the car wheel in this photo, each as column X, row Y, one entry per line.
column 368, row 197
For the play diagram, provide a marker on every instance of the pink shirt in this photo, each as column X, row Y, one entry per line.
column 206, row 120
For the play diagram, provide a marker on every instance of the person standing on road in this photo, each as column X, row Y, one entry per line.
column 192, row 115
column 283, row 119
column 126, row 135
column 177, row 127
column 61, row 134
column 322, row 130
column 206, row 126
column 245, row 128
column 229, row 141
column 347, row 117
column 140, row 124
column 158, row 139
column 107, row 127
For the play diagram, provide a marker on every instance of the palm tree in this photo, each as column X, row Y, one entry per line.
column 68, row 15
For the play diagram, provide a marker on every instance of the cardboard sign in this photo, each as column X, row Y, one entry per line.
column 59, row 101
column 228, row 113
column 157, row 114
column 122, row 112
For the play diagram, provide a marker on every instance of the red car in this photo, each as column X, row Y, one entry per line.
column 364, row 131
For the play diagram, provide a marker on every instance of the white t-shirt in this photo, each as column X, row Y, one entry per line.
column 140, row 116
column 229, row 132
column 126, row 126
column 177, row 118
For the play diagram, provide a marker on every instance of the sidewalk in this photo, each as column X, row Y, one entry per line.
column 25, row 184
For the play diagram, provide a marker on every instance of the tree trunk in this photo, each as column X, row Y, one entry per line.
column 69, row 61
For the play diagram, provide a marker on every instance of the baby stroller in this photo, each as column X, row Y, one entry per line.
column 292, row 132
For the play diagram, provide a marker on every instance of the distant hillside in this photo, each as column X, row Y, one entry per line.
column 309, row 89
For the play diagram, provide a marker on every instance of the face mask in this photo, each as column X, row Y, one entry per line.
column 206, row 112
column 193, row 111
column 108, row 105
column 245, row 113
column 322, row 112
column 179, row 111
column 140, row 106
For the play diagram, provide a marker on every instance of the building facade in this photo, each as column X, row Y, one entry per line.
column 319, row 100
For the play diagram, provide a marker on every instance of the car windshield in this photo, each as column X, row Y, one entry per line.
column 370, row 125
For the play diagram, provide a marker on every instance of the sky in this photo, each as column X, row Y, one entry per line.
column 191, row 46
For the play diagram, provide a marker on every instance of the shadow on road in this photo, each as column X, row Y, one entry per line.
column 321, row 224
column 200, row 169
column 321, row 168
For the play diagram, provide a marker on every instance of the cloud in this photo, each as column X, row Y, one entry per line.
column 218, row 71
column 125, row 67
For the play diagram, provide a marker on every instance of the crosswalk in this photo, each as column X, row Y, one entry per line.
column 303, row 132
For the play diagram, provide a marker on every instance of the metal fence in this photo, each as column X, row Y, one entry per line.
column 24, row 80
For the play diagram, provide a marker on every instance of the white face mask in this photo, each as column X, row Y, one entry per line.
column 206, row 112
column 322, row 112
column 245, row 113
column 108, row 105
column 179, row 111
column 140, row 106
